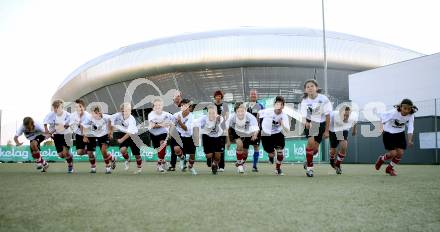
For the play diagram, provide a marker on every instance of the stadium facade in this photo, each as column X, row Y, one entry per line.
column 274, row 61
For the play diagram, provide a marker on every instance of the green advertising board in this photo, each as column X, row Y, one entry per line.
column 295, row 151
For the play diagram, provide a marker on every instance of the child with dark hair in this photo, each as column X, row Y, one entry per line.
column 394, row 122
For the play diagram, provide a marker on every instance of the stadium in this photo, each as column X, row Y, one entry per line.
column 274, row 61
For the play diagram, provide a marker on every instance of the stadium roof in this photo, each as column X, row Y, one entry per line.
column 242, row 47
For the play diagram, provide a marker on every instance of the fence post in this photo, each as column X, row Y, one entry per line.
column 436, row 131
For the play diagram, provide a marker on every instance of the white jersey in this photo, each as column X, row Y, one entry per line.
column 57, row 123
column 77, row 120
column 187, row 121
column 394, row 122
column 97, row 127
column 243, row 127
column 163, row 117
column 337, row 122
column 30, row 135
column 124, row 125
column 211, row 128
column 271, row 121
column 316, row 109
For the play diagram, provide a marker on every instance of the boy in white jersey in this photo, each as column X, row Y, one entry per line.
column 159, row 122
column 274, row 124
column 315, row 110
column 124, row 126
column 56, row 124
column 340, row 123
column 243, row 129
column 34, row 132
column 98, row 132
column 394, row 122
column 184, row 125
column 77, row 119
column 211, row 128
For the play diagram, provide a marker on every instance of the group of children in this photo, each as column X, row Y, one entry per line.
column 249, row 124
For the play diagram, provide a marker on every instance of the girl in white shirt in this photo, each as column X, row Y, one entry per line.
column 125, row 127
column 394, row 122
column 56, row 124
column 315, row 109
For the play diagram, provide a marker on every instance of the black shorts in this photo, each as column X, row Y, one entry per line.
column 246, row 140
column 97, row 141
column 155, row 139
column 257, row 141
column 80, row 144
column 212, row 144
column 334, row 141
column 270, row 143
column 128, row 143
column 394, row 141
column 39, row 139
column 188, row 145
column 60, row 142
column 103, row 140
column 317, row 137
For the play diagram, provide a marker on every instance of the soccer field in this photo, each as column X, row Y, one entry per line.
column 361, row 199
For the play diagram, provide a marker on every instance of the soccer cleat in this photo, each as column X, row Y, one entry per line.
column 171, row 169
column 271, row 160
column 221, row 169
column 390, row 171
column 45, row 166
column 214, row 168
column 93, row 170
column 254, row 169
column 108, row 170
column 338, row 170
column 39, row 166
column 113, row 164
column 138, row 171
column 309, row 173
column 166, row 165
column 279, row 172
column 160, row 168
column 379, row 162
column 70, row 169
column 127, row 165
column 332, row 163
column 182, row 165
column 193, row 171
column 240, row 169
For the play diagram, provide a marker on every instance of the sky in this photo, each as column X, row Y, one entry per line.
column 42, row 42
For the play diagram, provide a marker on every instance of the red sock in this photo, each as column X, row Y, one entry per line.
column 332, row 156
column 161, row 154
column 244, row 156
column 309, row 157
column 394, row 162
column 69, row 160
column 340, row 159
column 191, row 163
column 92, row 161
column 125, row 155
column 138, row 161
column 279, row 161
column 37, row 157
column 386, row 157
column 239, row 158
column 107, row 159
